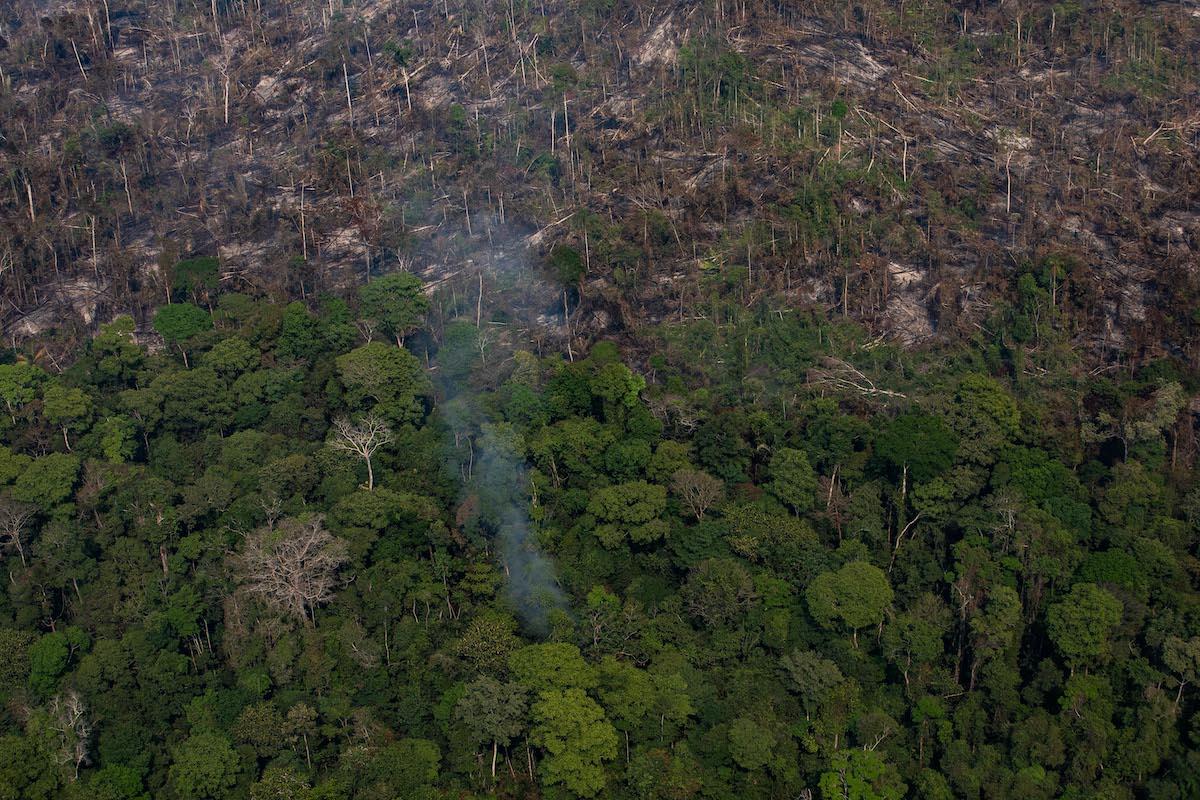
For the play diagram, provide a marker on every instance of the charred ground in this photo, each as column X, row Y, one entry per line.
column 903, row 166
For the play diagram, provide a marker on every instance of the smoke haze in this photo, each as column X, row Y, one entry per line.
column 495, row 473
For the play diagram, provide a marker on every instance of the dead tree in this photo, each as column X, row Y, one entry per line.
column 292, row 567
column 362, row 438
column 14, row 526
column 69, row 717
column 697, row 490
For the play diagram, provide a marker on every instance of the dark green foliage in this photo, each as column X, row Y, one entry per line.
column 771, row 587
column 195, row 276
column 395, row 303
column 917, row 444
column 179, row 322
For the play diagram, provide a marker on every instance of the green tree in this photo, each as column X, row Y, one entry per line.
column 402, row 770
column 629, row 511
column 280, row 783
column 618, row 389
column 231, row 357
column 793, row 480
column 750, row 744
column 27, row 770
column 1080, row 624
column 492, row 713
column 812, row 677
column 19, row 386
column 396, row 303
column 48, row 481
column 117, row 438
column 860, row 775
column 857, row 595
column 66, row 407
column 912, row 640
column 299, row 334
column 50, row 656
column 996, row 628
column 116, row 782
column 196, row 276
column 719, row 591
column 262, row 727
column 917, row 447
column 577, row 738
column 387, row 379
column 179, row 322
column 115, row 354
column 553, row 665
column 1182, row 657
column 204, row 767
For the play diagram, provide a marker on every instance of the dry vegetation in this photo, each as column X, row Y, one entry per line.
column 896, row 164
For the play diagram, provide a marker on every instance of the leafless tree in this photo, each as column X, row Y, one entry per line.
column 69, row 716
column 697, row 490
column 362, row 438
column 840, row 375
column 14, row 526
column 293, row 566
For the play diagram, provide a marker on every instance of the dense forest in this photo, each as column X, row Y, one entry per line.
column 280, row 558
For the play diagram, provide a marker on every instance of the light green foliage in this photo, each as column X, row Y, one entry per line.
column 629, row 511
column 396, row 303
column 618, row 388
column 626, row 692
column 669, row 457
column 985, row 418
column 577, row 739
column 116, row 782
column 1182, row 657
column 12, row 465
column 117, row 437
column 860, row 775
column 856, row 595
column 554, row 665
column 179, row 322
column 66, row 406
column 231, row 357
column 115, row 354
column 386, row 378
column 47, row 481
column 1080, row 624
column 19, row 385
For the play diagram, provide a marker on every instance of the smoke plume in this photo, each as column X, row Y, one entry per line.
column 494, row 475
